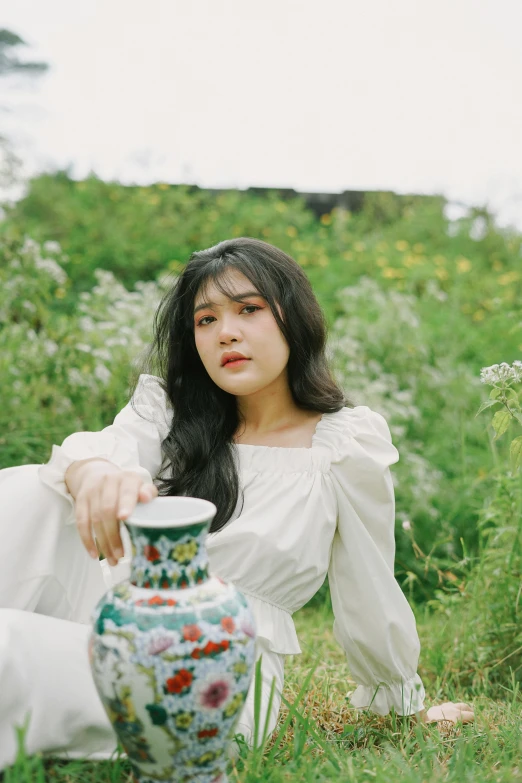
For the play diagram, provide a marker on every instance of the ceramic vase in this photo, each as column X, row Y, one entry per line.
column 172, row 650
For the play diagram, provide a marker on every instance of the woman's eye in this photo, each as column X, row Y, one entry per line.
column 255, row 307
column 200, row 323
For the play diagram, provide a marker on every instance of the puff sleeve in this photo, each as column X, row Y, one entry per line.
column 132, row 441
column 374, row 623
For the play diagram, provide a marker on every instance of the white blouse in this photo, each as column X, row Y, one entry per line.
column 308, row 512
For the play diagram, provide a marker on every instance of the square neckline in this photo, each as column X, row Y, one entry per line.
column 285, row 448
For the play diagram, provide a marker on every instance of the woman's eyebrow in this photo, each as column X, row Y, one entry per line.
column 236, row 298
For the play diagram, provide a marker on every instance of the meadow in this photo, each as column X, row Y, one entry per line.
column 417, row 307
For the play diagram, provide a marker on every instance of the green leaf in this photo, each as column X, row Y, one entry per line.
column 500, row 423
column 485, row 405
column 512, row 395
column 494, row 393
column 515, row 453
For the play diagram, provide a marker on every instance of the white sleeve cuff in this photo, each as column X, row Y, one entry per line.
column 80, row 446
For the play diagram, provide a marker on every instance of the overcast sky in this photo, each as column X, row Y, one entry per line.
column 324, row 95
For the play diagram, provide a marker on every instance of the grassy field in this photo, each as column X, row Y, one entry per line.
column 321, row 738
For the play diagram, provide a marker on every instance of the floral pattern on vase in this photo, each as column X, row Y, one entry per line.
column 172, row 654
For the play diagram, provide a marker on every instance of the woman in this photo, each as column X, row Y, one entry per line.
column 243, row 411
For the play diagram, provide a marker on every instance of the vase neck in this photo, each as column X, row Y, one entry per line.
column 169, row 558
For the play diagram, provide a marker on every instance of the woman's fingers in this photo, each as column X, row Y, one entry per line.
column 102, row 505
column 147, row 492
column 452, row 712
column 104, row 500
column 84, row 526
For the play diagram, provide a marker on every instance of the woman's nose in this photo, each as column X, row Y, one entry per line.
column 229, row 330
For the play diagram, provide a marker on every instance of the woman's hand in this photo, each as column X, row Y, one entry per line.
column 454, row 712
column 105, row 494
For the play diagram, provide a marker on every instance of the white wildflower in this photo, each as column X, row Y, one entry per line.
column 53, row 269
column 75, row 377
column 501, row 373
column 83, row 347
column 113, row 341
column 86, row 324
column 516, row 371
column 433, row 289
column 102, row 353
column 27, row 305
column 51, row 246
column 406, row 525
column 102, row 373
column 30, row 246
column 50, row 347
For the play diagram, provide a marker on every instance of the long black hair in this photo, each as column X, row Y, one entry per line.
column 199, row 447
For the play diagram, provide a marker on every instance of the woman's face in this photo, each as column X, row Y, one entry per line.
column 248, row 327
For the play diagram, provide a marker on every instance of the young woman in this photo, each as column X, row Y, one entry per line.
column 237, row 405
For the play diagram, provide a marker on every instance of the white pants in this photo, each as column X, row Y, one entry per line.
column 48, row 587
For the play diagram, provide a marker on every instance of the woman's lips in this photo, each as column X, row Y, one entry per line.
column 236, row 363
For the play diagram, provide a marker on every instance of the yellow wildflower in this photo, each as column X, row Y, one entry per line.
column 402, row 245
column 60, row 293
column 439, row 260
column 498, row 266
column 291, row 231
column 463, row 265
column 326, row 219
column 390, row 272
column 509, row 277
column 163, row 186
column 382, row 261
column 479, row 315
column 441, row 273
column 323, row 261
column 410, row 260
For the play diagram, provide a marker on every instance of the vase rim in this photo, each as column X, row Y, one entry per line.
column 161, row 512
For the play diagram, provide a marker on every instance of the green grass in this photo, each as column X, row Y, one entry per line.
column 321, row 738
